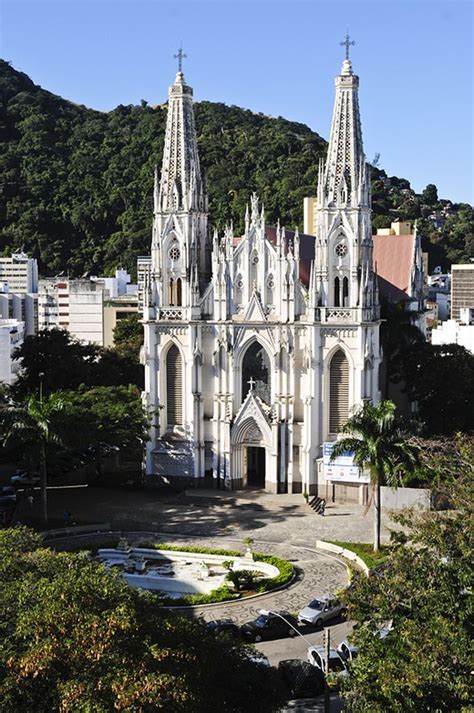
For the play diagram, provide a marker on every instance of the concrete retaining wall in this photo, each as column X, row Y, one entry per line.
column 346, row 554
column 419, row 498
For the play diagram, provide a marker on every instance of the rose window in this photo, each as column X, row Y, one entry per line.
column 341, row 250
column 174, row 253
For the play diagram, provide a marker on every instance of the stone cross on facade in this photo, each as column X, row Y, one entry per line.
column 347, row 43
column 251, row 382
column 180, row 56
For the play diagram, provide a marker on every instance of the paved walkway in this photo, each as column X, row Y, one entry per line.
column 265, row 517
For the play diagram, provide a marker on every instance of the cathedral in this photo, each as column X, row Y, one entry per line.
column 259, row 346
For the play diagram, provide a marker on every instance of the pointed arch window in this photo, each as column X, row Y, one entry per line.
column 256, row 366
column 171, row 291
column 174, row 387
column 345, row 292
column 179, row 296
column 337, row 292
column 338, row 391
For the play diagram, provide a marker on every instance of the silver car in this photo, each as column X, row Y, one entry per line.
column 320, row 610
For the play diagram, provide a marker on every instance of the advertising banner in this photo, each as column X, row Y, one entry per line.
column 342, row 469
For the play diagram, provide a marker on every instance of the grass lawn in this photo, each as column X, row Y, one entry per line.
column 365, row 551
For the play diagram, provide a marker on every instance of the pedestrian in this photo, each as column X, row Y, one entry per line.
column 29, row 500
column 322, row 507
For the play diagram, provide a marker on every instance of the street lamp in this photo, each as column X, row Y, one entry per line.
column 267, row 612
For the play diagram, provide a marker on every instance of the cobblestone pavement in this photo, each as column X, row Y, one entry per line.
column 265, row 517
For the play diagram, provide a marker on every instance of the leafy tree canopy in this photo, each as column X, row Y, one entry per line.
column 75, row 637
column 425, row 593
column 441, row 380
column 57, row 361
column 128, row 336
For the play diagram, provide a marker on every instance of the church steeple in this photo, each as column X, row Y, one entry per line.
column 343, row 254
column 180, row 245
column 181, row 186
column 345, row 175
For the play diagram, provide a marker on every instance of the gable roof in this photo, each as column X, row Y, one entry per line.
column 393, row 261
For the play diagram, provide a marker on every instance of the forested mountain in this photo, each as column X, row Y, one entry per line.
column 76, row 184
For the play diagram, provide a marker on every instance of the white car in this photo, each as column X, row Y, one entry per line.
column 336, row 667
column 320, row 610
column 24, row 478
column 347, row 651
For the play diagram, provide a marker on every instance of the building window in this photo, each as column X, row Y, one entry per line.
column 178, row 292
column 256, row 370
column 174, row 387
column 345, row 292
column 338, row 391
column 337, row 301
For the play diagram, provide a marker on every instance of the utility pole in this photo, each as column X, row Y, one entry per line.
column 327, row 646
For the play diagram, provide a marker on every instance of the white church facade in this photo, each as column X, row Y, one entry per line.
column 258, row 346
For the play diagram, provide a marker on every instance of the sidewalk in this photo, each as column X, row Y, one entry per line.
column 265, row 517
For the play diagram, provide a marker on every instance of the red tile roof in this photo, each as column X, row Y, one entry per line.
column 393, row 260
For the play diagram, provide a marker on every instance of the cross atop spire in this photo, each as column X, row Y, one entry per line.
column 251, row 382
column 347, row 43
column 180, row 56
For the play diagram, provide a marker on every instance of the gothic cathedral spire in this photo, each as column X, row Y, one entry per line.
column 345, row 175
column 343, row 258
column 180, row 243
column 181, row 185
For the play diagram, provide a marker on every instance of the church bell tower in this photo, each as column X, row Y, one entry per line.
column 180, row 245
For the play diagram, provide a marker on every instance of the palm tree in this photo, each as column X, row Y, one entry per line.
column 374, row 436
column 34, row 426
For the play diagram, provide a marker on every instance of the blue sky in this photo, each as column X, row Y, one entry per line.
column 279, row 57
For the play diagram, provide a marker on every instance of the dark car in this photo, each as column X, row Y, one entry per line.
column 269, row 625
column 223, row 627
column 302, row 679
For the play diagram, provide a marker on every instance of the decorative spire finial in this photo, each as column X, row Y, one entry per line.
column 347, row 43
column 180, row 56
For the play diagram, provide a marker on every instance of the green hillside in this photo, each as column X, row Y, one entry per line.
column 76, row 184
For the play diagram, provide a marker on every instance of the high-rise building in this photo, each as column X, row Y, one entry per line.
column 258, row 346
column 462, row 289
column 20, row 272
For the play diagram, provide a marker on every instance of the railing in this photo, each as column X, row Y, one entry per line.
column 347, row 315
column 171, row 313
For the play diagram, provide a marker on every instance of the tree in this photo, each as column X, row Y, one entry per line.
column 424, row 596
column 81, row 363
column 430, row 195
column 104, row 417
column 128, row 336
column 35, row 427
column 398, row 334
column 379, row 445
column 440, row 379
column 75, row 637
column 42, row 353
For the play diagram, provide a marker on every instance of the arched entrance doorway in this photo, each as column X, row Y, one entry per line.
column 249, row 455
column 255, row 466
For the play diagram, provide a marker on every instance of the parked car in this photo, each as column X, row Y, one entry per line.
column 303, row 679
column 259, row 659
column 223, row 627
column 347, row 651
column 24, row 478
column 8, row 490
column 320, row 610
column 337, row 668
column 269, row 626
